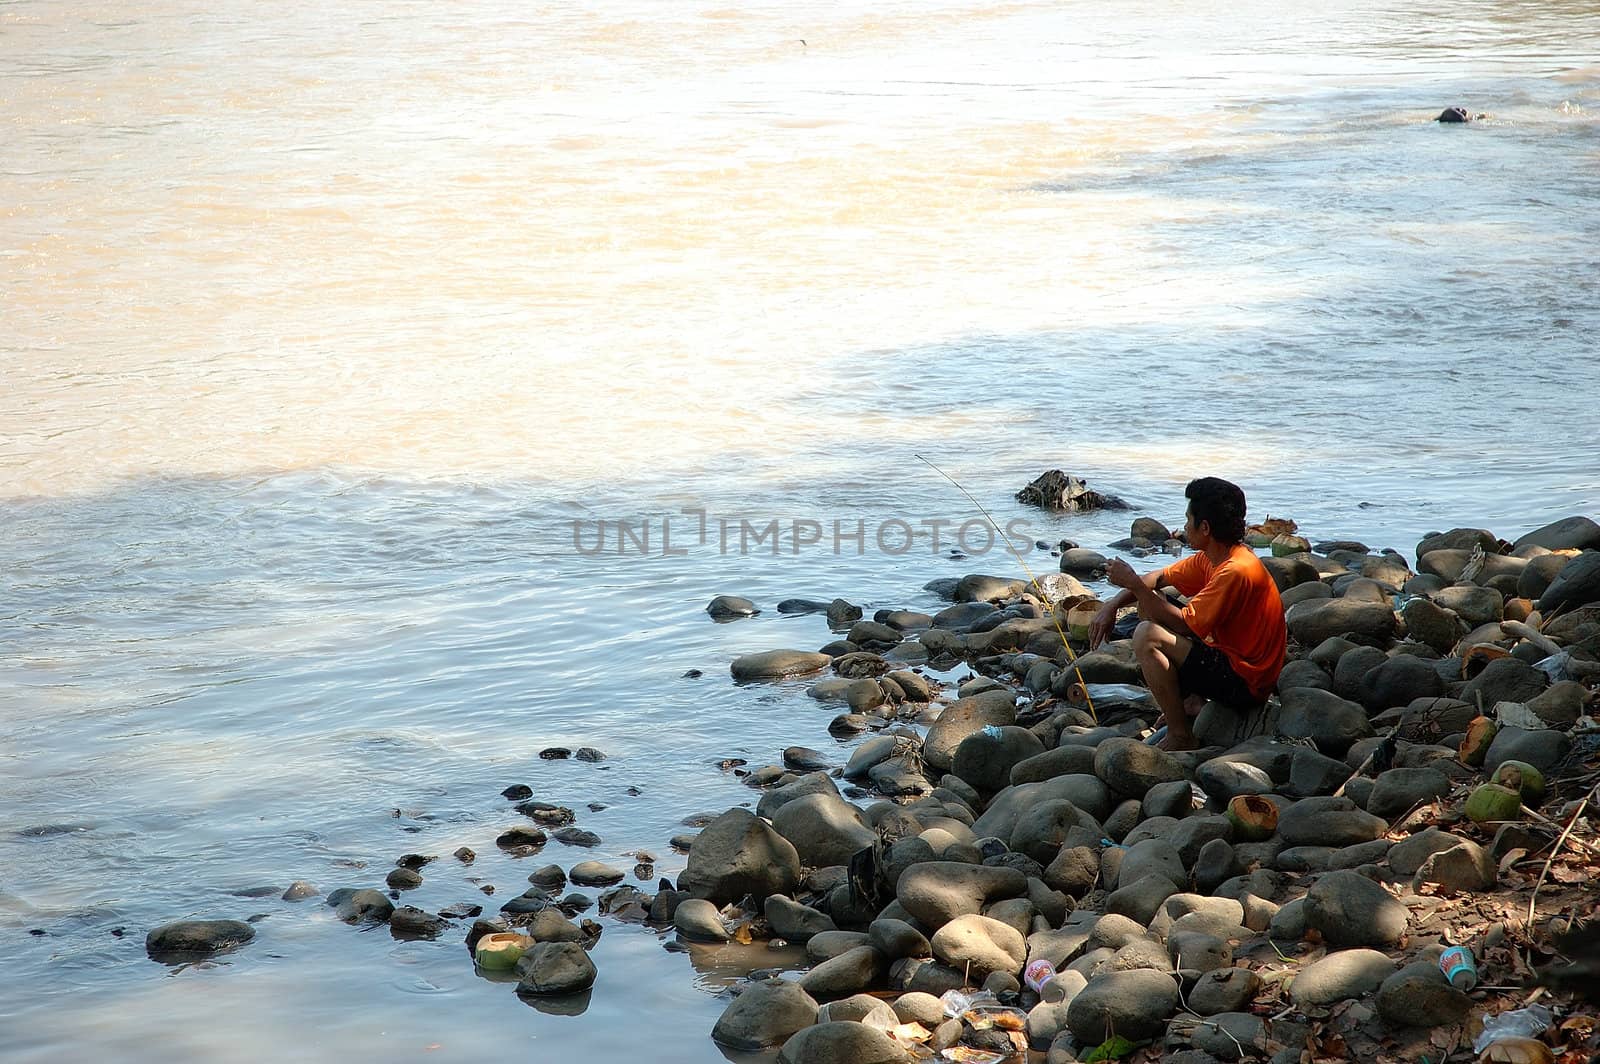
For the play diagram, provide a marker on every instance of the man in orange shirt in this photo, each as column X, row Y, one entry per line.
column 1228, row 643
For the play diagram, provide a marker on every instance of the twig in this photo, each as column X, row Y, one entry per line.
column 1541, row 818
column 1576, row 813
column 1072, row 656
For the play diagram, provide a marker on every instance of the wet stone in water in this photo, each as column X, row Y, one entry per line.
column 413, row 861
column 465, row 855
column 517, row 792
column 521, row 837
column 577, row 837
column 547, row 814
column 554, row 753
column 589, row 753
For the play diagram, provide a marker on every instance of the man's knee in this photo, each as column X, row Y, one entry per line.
column 1150, row 636
column 1141, row 637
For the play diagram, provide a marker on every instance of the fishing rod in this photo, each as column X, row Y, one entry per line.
column 1034, row 580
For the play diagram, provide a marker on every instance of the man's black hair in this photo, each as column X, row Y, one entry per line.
column 1218, row 503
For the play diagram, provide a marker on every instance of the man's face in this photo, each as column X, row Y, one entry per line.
column 1198, row 535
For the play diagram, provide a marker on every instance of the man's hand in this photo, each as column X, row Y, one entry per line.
column 1105, row 619
column 1121, row 574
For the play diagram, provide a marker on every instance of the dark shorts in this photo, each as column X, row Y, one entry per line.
column 1207, row 672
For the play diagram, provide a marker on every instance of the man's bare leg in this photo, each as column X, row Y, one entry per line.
column 1160, row 653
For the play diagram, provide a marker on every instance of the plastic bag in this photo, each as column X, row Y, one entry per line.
column 1520, row 1023
column 956, row 1002
column 1518, row 715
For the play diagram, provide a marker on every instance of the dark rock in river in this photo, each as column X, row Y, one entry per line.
column 1063, row 493
column 777, row 665
column 594, row 874
column 765, row 1015
column 362, row 906
column 408, row 921
column 730, row 607
column 555, row 968
column 188, row 939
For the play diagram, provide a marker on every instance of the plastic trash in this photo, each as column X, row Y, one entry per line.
column 1036, row 974
column 1459, row 966
column 956, row 1002
column 1517, row 715
column 1519, row 1023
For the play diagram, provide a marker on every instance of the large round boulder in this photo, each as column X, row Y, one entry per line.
column 1331, row 722
column 1577, row 584
column 765, row 1015
column 841, row 1042
column 824, row 829
column 188, row 939
column 737, row 854
column 1312, row 622
column 936, row 892
column 1134, row 1004
column 777, row 665
column 1348, row 909
column 960, row 719
column 979, row 946
column 986, row 757
column 552, row 968
column 1131, row 767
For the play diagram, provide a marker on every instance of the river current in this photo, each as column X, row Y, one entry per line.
column 333, row 335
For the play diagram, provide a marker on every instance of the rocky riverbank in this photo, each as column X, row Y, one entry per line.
column 1004, row 866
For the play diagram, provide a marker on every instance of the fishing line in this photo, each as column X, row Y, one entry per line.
column 1034, row 580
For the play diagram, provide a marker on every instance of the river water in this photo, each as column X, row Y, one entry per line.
column 334, row 335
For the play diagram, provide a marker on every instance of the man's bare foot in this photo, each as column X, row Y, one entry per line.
column 1174, row 742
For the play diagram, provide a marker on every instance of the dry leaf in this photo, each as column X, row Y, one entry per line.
column 1511, row 858
column 742, row 936
column 1516, row 1051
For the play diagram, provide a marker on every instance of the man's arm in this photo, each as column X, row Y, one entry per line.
column 1145, row 591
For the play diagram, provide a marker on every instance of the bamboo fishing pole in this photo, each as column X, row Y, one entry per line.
column 1032, row 579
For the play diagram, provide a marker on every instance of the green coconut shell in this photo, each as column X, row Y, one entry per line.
column 1523, row 778
column 501, row 951
column 1475, row 747
column 1254, row 819
column 1492, row 802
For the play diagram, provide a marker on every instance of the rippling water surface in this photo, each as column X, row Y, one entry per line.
column 324, row 323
